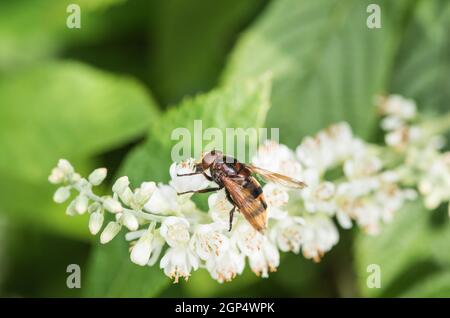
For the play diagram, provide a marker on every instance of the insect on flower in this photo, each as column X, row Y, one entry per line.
column 242, row 190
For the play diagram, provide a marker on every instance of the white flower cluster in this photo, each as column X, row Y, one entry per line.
column 398, row 122
column 419, row 145
column 348, row 183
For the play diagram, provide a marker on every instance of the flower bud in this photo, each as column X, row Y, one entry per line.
column 110, row 231
column 140, row 254
column 95, row 222
column 71, row 209
column 65, row 167
column 61, row 195
column 97, row 176
column 95, row 208
column 75, row 178
column 81, row 204
column 143, row 194
column 56, row 177
column 121, row 185
column 127, row 196
column 130, row 221
column 112, row 205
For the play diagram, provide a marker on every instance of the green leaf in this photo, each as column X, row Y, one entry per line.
column 419, row 252
column 35, row 29
column 245, row 105
column 61, row 110
column 239, row 105
column 403, row 245
column 190, row 40
column 434, row 286
column 112, row 274
column 422, row 68
column 327, row 63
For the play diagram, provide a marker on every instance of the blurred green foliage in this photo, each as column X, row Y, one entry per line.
column 110, row 93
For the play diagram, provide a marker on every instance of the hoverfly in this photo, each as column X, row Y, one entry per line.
column 242, row 190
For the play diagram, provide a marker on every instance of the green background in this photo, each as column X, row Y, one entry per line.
column 110, row 93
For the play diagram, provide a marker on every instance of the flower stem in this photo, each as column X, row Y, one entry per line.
column 141, row 214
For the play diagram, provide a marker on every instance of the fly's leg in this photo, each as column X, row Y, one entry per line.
column 231, row 217
column 207, row 177
column 232, row 210
column 202, row 190
column 229, row 197
column 189, row 174
column 196, row 173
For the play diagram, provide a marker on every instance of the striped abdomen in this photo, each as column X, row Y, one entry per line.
column 248, row 197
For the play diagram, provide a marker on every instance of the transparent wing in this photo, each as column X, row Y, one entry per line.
column 276, row 177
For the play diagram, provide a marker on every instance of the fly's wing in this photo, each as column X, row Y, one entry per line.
column 250, row 201
column 276, row 177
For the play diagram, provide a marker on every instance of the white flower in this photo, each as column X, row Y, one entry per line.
column 175, row 230
column 164, row 200
column 141, row 251
column 390, row 197
column 362, row 165
column 344, row 144
column 157, row 246
column 312, row 154
column 347, row 199
column 277, row 198
column 219, row 209
column 139, row 198
column 368, row 216
column 271, row 156
column 401, row 137
column 61, row 195
column 399, row 106
column 208, row 242
column 95, row 222
column 97, row 176
column 112, row 205
column 225, row 267
column 179, row 262
column 344, row 219
column 287, row 234
column 319, row 235
column 328, row 148
column 392, row 123
column 434, row 184
column 110, row 231
column 320, row 198
column 186, row 183
column 277, row 158
column 247, row 238
column 266, row 260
